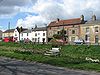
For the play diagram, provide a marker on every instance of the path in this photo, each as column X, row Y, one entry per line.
column 18, row 67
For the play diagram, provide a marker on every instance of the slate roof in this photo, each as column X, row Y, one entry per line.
column 9, row 31
column 40, row 29
column 93, row 22
column 27, row 31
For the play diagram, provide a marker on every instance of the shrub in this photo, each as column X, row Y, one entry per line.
column 55, row 43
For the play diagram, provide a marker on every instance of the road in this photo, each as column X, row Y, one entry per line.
column 17, row 67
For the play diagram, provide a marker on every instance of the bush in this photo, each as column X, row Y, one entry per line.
column 55, row 43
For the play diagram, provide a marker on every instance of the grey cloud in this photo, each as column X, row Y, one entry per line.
column 8, row 10
column 9, row 7
column 14, row 2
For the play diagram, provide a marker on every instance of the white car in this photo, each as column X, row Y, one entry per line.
column 78, row 41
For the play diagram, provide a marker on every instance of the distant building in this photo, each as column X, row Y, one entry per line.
column 39, row 35
column 90, row 31
column 17, row 35
column 26, row 35
column 8, row 33
column 71, row 27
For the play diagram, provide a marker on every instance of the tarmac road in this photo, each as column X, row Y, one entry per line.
column 17, row 67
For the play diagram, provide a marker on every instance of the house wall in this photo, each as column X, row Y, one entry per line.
column 24, row 36
column 73, row 33
column 91, row 32
column 10, row 34
column 37, row 36
column 68, row 28
column 16, row 35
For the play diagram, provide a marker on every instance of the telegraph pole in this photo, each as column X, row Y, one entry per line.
column 8, row 29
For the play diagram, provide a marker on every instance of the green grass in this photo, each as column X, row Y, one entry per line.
column 71, row 56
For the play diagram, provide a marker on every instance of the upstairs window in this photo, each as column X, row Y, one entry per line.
column 87, row 30
column 58, row 32
column 22, row 35
column 15, row 34
column 35, row 34
column 96, row 29
column 27, row 34
column 38, row 33
column 73, row 31
column 43, row 34
column 64, row 32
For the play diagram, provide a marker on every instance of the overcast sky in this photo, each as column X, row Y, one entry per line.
column 27, row 13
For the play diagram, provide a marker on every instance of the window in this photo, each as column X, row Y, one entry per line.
column 58, row 32
column 38, row 33
column 35, row 39
column 96, row 39
column 27, row 34
column 96, row 29
column 38, row 39
column 50, row 28
column 35, row 34
column 73, row 31
column 72, row 39
column 43, row 39
column 64, row 32
column 22, row 34
column 21, row 38
column 43, row 34
column 87, row 37
column 15, row 34
column 87, row 30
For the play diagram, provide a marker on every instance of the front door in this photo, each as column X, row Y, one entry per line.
column 72, row 39
column 96, row 39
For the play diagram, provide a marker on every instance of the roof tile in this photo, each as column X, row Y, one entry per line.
column 66, row 22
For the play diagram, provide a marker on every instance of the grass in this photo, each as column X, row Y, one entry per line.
column 71, row 56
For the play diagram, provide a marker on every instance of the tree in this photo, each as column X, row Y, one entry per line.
column 19, row 30
column 61, row 35
column 57, row 36
column 59, row 39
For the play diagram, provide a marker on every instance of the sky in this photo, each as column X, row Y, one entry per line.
column 28, row 13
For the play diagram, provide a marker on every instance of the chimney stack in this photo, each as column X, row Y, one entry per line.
column 94, row 18
column 57, row 20
column 82, row 17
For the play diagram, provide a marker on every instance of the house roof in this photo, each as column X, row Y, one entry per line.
column 26, row 31
column 39, row 29
column 66, row 22
column 0, row 31
column 9, row 31
column 93, row 22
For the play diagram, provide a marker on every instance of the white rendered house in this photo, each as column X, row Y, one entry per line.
column 16, row 35
column 26, row 35
column 39, row 35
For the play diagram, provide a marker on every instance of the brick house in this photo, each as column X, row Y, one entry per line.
column 71, row 27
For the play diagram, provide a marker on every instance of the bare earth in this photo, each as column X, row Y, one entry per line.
column 17, row 67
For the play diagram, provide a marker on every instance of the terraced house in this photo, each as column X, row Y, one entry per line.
column 90, row 31
column 39, row 35
column 8, row 33
column 71, row 28
column 26, row 35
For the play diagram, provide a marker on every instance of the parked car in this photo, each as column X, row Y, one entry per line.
column 8, row 39
column 79, row 41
